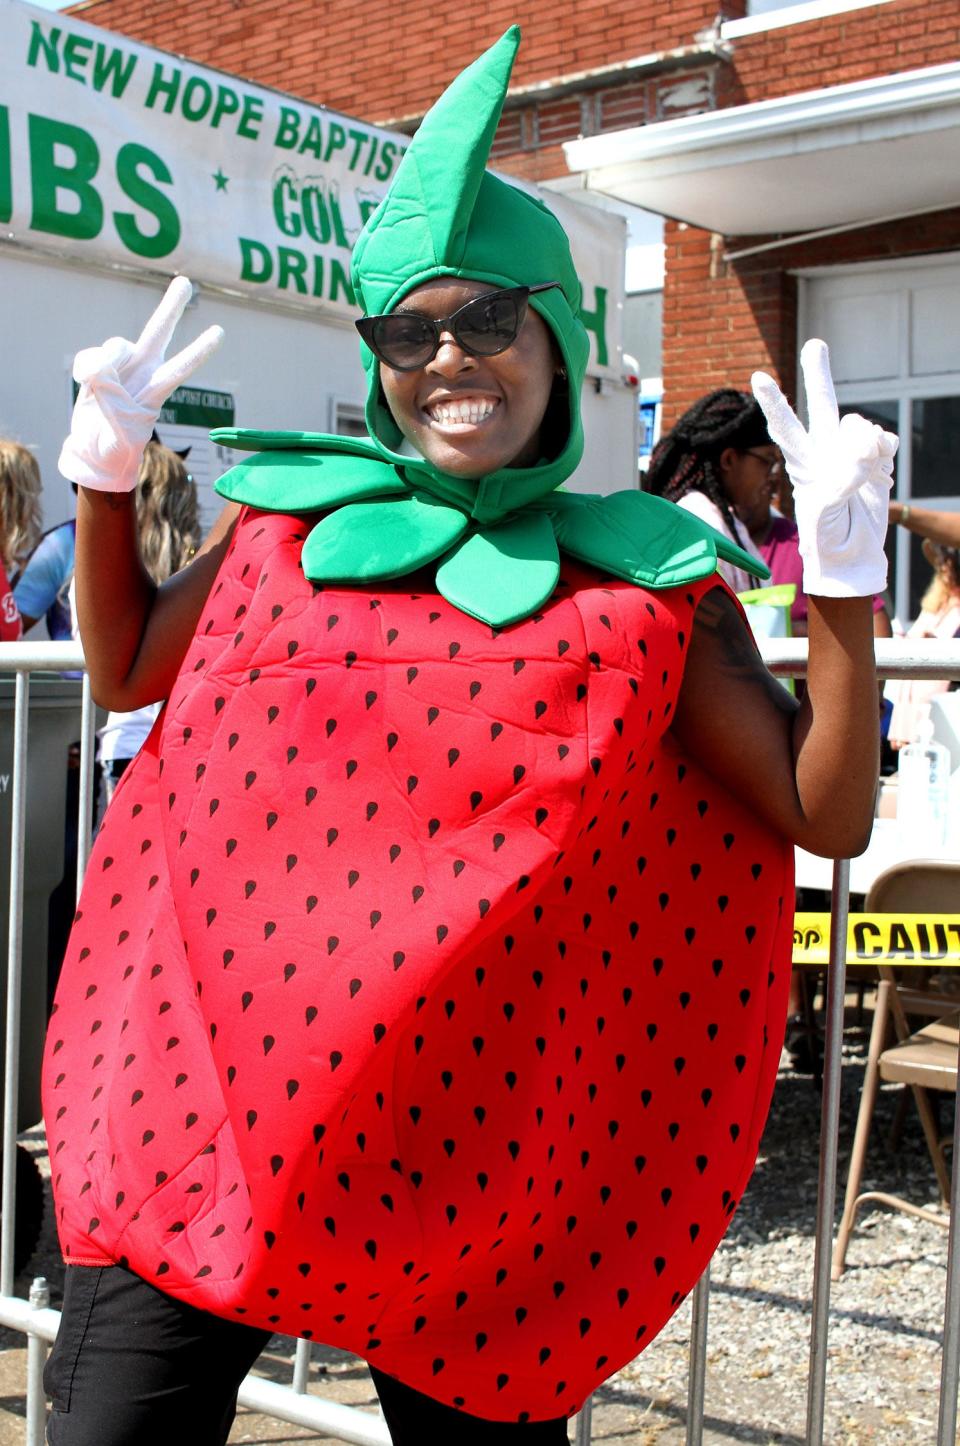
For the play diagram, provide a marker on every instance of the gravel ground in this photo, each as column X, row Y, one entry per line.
column 887, row 1310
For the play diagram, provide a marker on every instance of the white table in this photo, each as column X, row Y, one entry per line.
column 885, row 848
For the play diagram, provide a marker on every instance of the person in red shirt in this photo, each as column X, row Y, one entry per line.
column 11, row 624
column 19, row 526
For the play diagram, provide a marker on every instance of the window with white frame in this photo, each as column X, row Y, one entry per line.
column 894, row 335
column 347, row 418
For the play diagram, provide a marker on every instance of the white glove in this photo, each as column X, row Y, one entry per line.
column 841, row 471
column 123, row 385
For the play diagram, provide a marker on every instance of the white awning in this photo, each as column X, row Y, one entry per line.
column 847, row 154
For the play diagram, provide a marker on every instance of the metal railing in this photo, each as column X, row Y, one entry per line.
column 293, row 1404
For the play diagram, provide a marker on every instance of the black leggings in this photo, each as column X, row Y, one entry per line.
column 134, row 1367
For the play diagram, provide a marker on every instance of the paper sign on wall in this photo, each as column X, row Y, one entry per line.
column 185, row 421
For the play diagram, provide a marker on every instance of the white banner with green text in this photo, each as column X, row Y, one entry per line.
column 118, row 154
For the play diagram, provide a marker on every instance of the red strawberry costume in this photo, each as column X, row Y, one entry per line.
column 424, row 998
column 462, row 1069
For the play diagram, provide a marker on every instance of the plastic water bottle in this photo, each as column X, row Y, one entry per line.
column 923, row 792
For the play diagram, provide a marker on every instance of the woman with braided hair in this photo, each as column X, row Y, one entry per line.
column 713, row 463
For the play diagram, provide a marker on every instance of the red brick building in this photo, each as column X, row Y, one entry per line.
column 808, row 157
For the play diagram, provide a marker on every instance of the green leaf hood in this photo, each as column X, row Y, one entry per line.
column 446, row 215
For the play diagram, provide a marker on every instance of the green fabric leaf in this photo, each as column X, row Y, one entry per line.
column 307, row 481
column 642, row 538
column 251, row 439
column 373, row 541
column 503, row 573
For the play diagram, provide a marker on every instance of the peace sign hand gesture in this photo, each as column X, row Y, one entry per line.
column 123, row 385
column 841, row 471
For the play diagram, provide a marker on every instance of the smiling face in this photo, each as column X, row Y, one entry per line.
column 471, row 415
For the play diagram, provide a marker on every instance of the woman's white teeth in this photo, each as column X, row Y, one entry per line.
column 473, row 411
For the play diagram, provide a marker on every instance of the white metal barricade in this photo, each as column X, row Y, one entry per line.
column 35, row 1319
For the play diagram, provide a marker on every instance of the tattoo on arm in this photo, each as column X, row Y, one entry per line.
column 733, row 649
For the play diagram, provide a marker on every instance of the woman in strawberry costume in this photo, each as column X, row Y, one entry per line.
column 428, row 983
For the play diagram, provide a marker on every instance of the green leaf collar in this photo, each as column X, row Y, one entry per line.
column 385, row 521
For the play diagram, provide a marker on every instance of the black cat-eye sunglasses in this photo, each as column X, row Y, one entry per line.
column 485, row 326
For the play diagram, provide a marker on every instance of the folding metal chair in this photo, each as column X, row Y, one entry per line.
column 923, row 1060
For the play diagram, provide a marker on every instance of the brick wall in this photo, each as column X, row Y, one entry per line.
column 530, row 137
column 838, row 49
column 834, row 50
column 382, row 62
column 722, row 321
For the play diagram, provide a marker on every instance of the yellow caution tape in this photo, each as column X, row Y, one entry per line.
column 881, row 939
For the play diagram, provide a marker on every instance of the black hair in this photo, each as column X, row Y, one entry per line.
column 685, row 460
column 555, row 423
